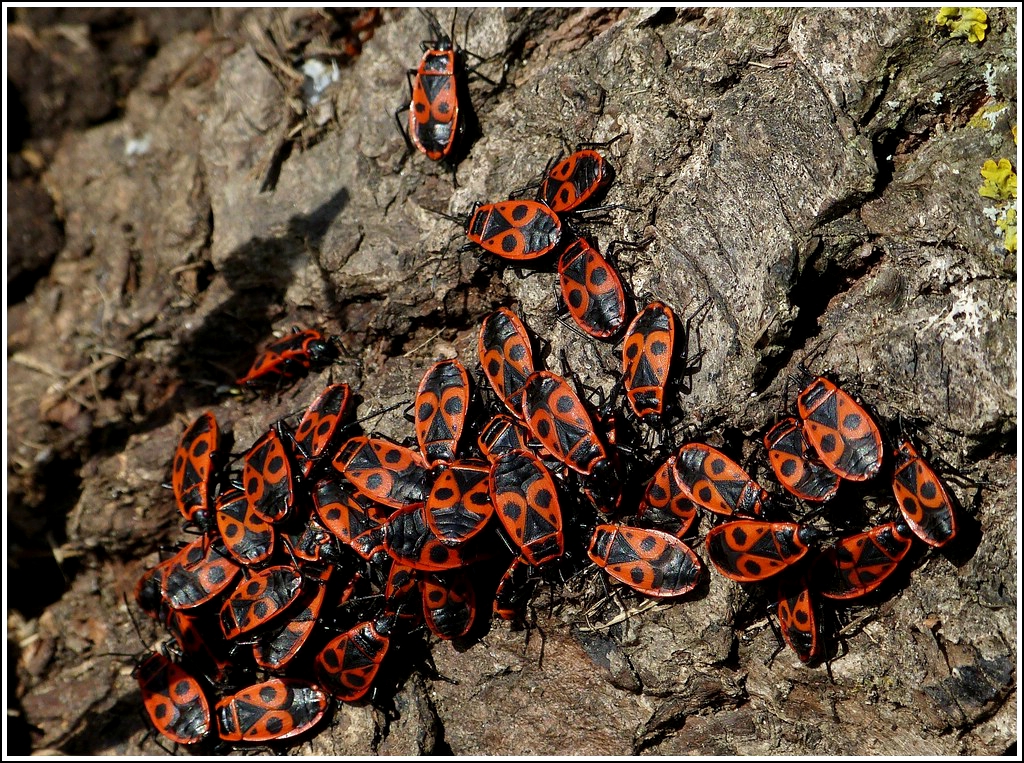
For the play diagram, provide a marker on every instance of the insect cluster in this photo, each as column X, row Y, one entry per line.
column 321, row 547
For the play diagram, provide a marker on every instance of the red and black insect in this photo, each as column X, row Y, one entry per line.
column 315, row 543
column 246, row 535
column 449, row 604
column 267, row 478
column 502, row 434
column 665, row 503
column 858, row 564
column 844, row 435
column 198, row 573
column 526, row 501
column 384, row 471
column 713, row 480
column 348, row 664
column 922, row 498
column 345, row 513
column 647, row 353
column 407, row 539
column 442, row 400
column 321, row 426
column 259, row 599
column 517, row 229
column 557, row 417
column 278, row 708
column 190, row 630
column 591, row 289
column 148, row 590
column 459, row 504
column 574, row 180
column 174, row 700
column 750, row 550
column 289, row 358
column 193, row 468
column 434, row 109
column 797, row 617
column 506, row 357
column 513, row 590
column 650, row 561
column 403, row 584
column 798, row 470
column 279, row 645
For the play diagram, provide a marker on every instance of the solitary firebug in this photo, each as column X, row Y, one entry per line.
column 347, row 665
column 650, row 561
column 442, row 401
column 845, row 437
column 922, row 498
column 526, row 502
column 714, row 481
column 858, row 564
column 574, row 180
column 795, row 464
column 506, row 357
column 193, row 468
column 750, row 550
column 278, row 708
column 591, row 289
column 647, row 353
column 290, row 357
column 517, row 229
column 174, row 700
column 434, row 110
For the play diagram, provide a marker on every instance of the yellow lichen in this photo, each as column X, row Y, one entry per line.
column 1000, row 180
column 1008, row 225
column 963, row 22
column 985, row 117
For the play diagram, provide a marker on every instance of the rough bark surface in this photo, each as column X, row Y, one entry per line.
column 809, row 179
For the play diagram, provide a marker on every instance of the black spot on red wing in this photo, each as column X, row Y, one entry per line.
column 564, row 196
column 659, row 347
column 161, row 711
column 420, row 107
column 564, row 404
column 544, row 429
column 910, row 506
column 231, row 531
column 442, row 108
column 392, row 456
column 215, row 574
column 453, row 405
column 426, row 411
column 333, row 514
column 739, row 537
column 636, row 574
column 329, row 658
column 657, row 493
column 259, row 610
column 512, row 510
column 631, row 350
column 509, row 243
column 929, row 490
column 542, row 498
column 253, row 485
column 851, row 421
column 520, row 212
column 789, row 467
column 801, row 617
column 374, row 481
column 648, row 543
column 828, row 443
column 444, row 493
column 439, row 554
column 324, row 428
column 575, row 298
column 267, row 694
column 182, row 688
column 494, row 366
column 752, row 567
column 275, row 465
column 705, row 494
column 599, row 276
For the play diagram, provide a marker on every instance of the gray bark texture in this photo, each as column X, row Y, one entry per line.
column 808, row 179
